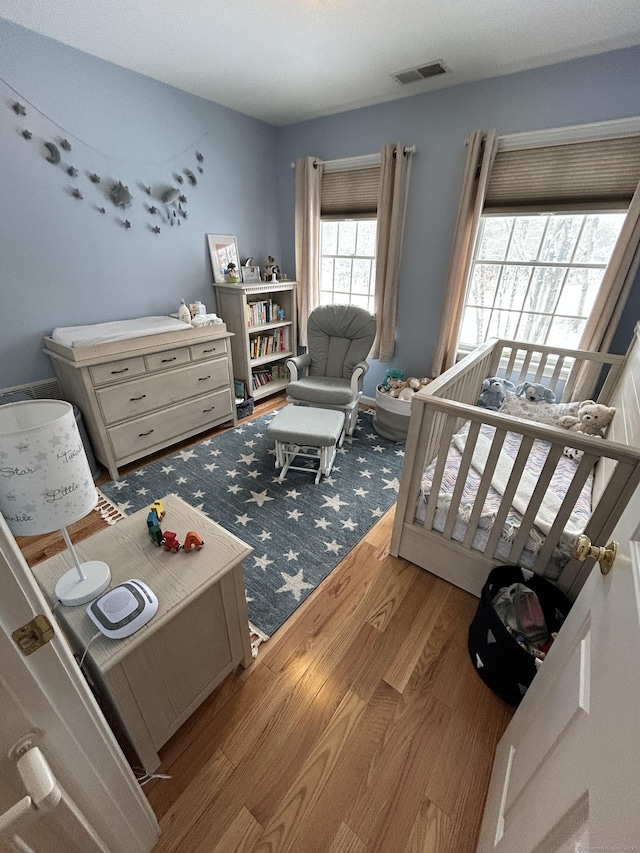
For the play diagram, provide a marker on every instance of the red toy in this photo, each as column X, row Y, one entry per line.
column 169, row 541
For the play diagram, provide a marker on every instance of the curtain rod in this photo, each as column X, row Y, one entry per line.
column 360, row 162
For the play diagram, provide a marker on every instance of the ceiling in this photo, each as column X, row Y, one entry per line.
column 285, row 61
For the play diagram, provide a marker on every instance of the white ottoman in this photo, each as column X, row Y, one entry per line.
column 306, row 432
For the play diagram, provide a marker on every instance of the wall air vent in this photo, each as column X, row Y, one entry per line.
column 421, row 72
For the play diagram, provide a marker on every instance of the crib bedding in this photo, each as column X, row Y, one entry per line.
column 559, row 484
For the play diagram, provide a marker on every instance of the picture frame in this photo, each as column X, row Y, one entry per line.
column 223, row 250
column 250, row 274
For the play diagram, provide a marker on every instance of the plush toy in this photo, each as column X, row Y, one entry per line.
column 592, row 419
column 391, row 373
column 535, row 393
column 493, row 392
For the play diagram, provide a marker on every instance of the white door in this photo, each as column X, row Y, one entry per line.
column 43, row 696
column 567, row 769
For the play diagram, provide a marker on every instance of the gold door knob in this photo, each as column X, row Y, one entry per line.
column 583, row 549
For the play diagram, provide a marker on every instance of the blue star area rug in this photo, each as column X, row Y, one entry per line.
column 299, row 531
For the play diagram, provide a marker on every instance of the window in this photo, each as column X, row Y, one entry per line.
column 348, row 262
column 535, row 277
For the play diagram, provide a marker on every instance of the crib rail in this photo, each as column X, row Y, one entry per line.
column 439, row 410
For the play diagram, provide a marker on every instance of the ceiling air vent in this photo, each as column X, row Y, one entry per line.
column 421, row 72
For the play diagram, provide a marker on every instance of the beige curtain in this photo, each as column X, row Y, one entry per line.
column 307, row 232
column 395, row 169
column 616, row 284
column 481, row 152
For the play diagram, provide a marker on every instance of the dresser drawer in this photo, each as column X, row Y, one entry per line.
column 153, row 392
column 117, row 370
column 164, row 360
column 209, row 349
column 130, row 440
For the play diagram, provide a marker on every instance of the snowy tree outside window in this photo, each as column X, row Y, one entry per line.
column 348, row 262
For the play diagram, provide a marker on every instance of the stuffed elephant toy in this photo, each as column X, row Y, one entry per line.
column 535, row 393
column 494, row 392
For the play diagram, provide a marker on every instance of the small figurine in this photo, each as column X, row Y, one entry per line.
column 169, row 542
column 158, row 507
column 232, row 276
column 192, row 540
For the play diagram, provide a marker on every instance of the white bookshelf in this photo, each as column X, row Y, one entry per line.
column 263, row 319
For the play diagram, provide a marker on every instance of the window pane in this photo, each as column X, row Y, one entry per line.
column 342, row 280
column 347, row 237
column 475, row 323
column 361, row 276
column 326, row 297
column 545, row 289
column 527, row 234
column 503, row 324
column 566, row 331
column 579, row 292
column 598, row 237
column 532, row 328
column 494, row 237
column 367, row 237
column 512, row 287
column 483, row 284
column 560, row 239
column 329, row 238
column 360, row 301
column 326, row 273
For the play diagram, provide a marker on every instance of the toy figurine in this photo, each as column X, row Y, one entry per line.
column 169, row 541
column 158, row 508
column 192, row 541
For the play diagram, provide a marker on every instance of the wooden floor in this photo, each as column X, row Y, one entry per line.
column 362, row 726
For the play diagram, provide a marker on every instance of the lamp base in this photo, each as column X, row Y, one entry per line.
column 73, row 590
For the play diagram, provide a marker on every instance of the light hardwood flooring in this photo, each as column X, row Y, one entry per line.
column 362, row 725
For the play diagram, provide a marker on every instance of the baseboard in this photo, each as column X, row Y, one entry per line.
column 368, row 401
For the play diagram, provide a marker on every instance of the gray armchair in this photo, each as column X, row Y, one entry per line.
column 329, row 375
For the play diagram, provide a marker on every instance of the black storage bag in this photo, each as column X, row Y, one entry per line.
column 497, row 657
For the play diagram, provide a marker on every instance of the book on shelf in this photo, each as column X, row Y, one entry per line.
column 263, row 311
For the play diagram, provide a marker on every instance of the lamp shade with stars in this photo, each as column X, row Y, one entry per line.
column 46, row 484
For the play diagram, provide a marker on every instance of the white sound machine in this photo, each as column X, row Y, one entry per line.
column 120, row 611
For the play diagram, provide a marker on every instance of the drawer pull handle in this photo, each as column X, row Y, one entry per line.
column 141, row 397
column 141, row 434
column 208, row 410
column 213, row 349
column 167, row 360
column 204, row 378
column 124, row 370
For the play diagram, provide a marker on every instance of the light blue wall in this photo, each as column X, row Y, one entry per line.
column 594, row 89
column 62, row 262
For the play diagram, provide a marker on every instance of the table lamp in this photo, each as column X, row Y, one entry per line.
column 46, row 484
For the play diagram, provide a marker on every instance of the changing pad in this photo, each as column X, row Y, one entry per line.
column 118, row 330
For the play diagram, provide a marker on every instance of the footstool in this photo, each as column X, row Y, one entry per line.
column 307, row 432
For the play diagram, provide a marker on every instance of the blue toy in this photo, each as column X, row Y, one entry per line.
column 493, row 392
column 391, row 373
column 535, row 393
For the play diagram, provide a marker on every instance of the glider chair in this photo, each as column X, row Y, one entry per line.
column 329, row 375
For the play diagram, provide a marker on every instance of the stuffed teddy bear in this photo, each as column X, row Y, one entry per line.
column 493, row 392
column 592, row 419
column 535, row 393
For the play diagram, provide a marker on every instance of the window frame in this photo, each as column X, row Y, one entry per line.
column 370, row 296
column 464, row 347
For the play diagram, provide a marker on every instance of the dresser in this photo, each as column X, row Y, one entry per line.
column 143, row 394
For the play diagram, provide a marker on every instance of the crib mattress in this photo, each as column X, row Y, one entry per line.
column 559, row 484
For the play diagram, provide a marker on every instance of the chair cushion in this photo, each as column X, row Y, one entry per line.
column 339, row 337
column 321, row 389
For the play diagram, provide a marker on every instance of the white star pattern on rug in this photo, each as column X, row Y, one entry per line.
column 290, row 525
column 263, row 562
column 259, row 498
column 334, row 502
column 294, row 584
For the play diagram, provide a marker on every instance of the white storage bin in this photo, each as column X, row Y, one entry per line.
column 391, row 419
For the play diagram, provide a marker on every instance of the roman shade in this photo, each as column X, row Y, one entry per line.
column 583, row 175
column 352, row 192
